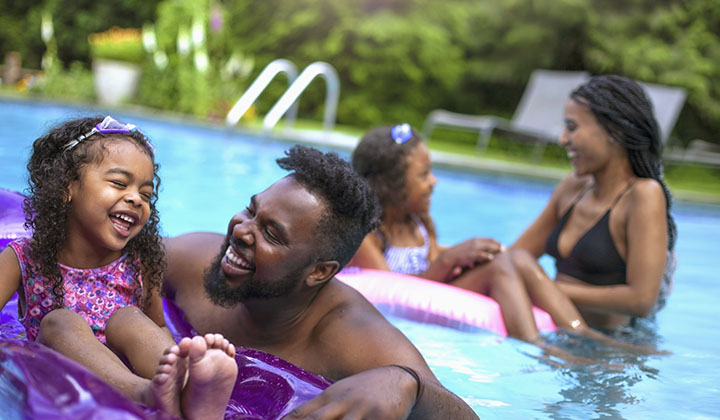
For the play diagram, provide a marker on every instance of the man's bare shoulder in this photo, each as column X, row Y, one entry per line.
column 354, row 336
column 343, row 304
column 188, row 255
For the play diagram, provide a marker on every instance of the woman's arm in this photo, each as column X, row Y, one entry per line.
column 10, row 275
column 646, row 244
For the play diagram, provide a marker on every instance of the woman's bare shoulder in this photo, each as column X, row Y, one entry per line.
column 646, row 192
column 569, row 188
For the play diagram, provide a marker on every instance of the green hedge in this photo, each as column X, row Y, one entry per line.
column 399, row 59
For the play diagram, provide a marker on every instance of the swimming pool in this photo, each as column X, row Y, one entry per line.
column 209, row 173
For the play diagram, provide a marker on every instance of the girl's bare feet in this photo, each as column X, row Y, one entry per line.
column 212, row 372
column 170, row 376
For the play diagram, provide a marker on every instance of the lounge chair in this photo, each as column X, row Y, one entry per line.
column 538, row 116
column 698, row 152
column 667, row 103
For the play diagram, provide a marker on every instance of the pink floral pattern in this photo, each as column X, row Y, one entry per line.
column 93, row 293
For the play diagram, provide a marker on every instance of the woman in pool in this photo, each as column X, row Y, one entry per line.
column 608, row 223
column 396, row 163
column 88, row 281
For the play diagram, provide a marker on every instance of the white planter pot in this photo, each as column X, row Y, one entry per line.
column 115, row 81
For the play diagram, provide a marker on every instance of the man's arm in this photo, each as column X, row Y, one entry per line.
column 371, row 386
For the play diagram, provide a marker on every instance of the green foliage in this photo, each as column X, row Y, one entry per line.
column 75, row 83
column 117, row 44
column 73, row 22
column 674, row 43
column 184, row 85
column 77, row 19
column 20, row 30
column 391, row 57
column 396, row 59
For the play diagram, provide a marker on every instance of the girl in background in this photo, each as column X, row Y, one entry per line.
column 396, row 163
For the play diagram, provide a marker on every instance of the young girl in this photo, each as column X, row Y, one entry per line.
column 88, row 281
column 396, row 163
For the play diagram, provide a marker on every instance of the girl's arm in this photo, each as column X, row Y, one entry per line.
column 10, row 275
column 646, row 241
column 453, row 261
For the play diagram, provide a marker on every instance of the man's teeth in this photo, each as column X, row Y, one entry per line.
column 571, row 154
column 236, row 259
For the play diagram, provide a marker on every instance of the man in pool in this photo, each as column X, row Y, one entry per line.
column 272, row 287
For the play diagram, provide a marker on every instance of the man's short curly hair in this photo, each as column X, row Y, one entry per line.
column 352, row 210
column 51, row 170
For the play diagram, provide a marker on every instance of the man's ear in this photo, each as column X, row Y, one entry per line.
column 322, row 272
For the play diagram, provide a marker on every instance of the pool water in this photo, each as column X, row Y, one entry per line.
column 209, row 173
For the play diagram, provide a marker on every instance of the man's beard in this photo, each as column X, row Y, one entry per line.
column 222, row 294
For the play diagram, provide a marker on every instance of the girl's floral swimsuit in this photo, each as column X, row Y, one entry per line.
column 93, row 293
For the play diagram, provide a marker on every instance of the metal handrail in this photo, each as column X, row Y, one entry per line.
column 291, row 96
column 258, row 86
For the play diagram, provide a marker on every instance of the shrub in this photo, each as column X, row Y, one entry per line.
column 117, row 44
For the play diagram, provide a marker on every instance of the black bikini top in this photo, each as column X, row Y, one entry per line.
column 594, row 258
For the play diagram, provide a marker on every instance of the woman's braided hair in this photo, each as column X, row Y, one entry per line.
column 51, row 170
column 622, row 107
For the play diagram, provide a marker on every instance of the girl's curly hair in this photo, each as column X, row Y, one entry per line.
column 51, row 170
column 384, row 162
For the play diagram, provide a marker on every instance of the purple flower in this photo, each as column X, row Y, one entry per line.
column 216, row 20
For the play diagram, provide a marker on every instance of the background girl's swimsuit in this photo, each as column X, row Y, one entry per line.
column 93, row 293
column 411, row 260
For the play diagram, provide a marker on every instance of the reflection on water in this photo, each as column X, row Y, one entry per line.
column 605, row 387
column 504, row 378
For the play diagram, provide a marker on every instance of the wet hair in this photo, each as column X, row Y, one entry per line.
column 383, row 162
column 622, row 107
column 352, row 210
column 51, row 170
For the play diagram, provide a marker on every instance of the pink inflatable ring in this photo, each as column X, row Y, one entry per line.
column 431, row 302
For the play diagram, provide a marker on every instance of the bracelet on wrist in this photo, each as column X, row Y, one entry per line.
column 418, row 380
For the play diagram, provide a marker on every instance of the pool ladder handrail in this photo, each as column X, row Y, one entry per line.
column 259, row 85
column 292, row 95
column 288, row 102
